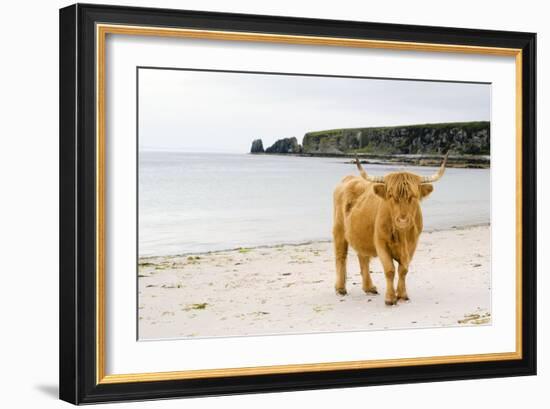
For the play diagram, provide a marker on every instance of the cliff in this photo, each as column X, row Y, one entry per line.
column 461, row 138
column 467, row 142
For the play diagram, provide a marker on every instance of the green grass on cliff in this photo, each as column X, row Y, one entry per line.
column 465, row 125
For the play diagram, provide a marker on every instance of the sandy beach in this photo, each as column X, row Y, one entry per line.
column 290, row 289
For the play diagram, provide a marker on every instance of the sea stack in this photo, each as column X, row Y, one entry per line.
column 257, row 146
column 285, row 145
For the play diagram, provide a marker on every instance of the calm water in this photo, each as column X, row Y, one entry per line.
column 192, row 202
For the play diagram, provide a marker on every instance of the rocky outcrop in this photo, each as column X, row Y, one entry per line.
column 257, row 146
column 462, row 138
column 285, row 145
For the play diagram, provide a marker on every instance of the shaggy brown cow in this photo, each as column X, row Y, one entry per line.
column 379, row 217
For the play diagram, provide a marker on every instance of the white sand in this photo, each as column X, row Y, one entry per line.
column 290, row 289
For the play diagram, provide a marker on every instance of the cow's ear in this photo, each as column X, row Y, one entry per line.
column 425, row 190
column 380, row 190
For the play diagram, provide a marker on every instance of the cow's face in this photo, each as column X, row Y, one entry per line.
column 403, row 192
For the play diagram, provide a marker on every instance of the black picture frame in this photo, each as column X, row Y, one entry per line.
column 78, row 313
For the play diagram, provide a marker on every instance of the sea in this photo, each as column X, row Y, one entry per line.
column 192, row 203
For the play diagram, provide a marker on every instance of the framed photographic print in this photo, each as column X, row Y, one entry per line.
column 257, row 203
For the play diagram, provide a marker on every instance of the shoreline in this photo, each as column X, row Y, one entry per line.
column 300, row 243
column 427, row 160
column 286, row 289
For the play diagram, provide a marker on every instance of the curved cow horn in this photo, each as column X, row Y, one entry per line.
column 375, row 179
column 440, row 172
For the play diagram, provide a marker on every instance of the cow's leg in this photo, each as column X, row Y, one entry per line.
column 389, row 271
column 341, row 253
column 401, row 285
column 368, row 285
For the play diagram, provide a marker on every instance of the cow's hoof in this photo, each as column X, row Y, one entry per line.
column 391, row 302
column 371, row 290
column 404, row 298
column 341, row 291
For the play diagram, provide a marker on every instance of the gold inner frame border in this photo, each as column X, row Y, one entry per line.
column 102, row 30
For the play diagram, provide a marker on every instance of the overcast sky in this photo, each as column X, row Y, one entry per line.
column 223, row 112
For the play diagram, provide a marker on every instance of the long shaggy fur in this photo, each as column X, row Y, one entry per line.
column 402, row 185
column 379, row 217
